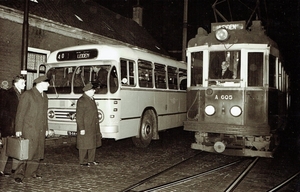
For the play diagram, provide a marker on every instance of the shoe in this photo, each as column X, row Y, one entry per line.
column 18, row 180
column 4, row 174
column 36, row 176
column 13, row 171
column 85, row 165
column 94, row 163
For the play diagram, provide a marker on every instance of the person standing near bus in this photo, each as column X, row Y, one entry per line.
column 88, row 128
column 10, row 104
column 31, row 123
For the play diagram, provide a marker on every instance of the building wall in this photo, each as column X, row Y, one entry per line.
column 43, row 34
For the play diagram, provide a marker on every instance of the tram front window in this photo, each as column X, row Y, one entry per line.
column 224, row 68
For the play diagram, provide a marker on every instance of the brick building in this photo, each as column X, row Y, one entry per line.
column 61, row 23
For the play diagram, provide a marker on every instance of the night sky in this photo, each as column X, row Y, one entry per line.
column 163, row 19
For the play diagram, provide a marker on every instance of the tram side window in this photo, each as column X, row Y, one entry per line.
column 182, row 79
column 127, row 73
column 172, row 77
column 145, row 74
column 255, row 69
column 160, row 76
column 272, row 71
column 113, row 80
column 197, row 68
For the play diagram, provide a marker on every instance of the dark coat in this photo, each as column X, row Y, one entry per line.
column 2, row 103
column 227, row 75
column 87, row 119
column 31, row 120
column 11, row 102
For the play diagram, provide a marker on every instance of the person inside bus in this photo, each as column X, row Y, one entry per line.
column 225, row 73
column 100, row 76
column 78, row 78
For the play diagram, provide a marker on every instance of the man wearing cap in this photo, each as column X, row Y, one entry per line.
column 88, row 129
column 31, row 123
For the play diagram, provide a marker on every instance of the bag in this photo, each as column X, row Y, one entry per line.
column 17, row 148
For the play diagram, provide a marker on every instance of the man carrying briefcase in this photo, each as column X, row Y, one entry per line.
column 31, row 124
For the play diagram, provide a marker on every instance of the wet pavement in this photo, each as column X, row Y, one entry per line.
column 121, row 164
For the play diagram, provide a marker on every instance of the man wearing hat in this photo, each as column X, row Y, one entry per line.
column 88, row 128
column 31, row 123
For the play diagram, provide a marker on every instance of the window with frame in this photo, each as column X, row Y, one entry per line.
column 197, row 68
column 127, row 73
column 172, row 78
column 160, row 76
column 255, row 69
column 272, row 71
column 145, row 74
column 182, row 79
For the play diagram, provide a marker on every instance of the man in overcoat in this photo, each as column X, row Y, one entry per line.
column 10, row 104
column 31, row 123
column 88, row 128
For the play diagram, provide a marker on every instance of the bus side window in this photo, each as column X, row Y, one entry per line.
column 182, row 79
column 160, row 76
column 145, row 74
column 113, row 80
column 127, row 73
column 172, row 77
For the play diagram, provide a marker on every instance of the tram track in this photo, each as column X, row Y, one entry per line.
column 236, row 169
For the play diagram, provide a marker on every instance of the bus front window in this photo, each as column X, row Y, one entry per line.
column 60, row 80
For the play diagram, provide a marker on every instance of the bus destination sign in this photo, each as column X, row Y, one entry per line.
column 76, row 55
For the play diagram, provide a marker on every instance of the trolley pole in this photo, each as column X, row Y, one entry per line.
column 25, row 39
column 184, row 33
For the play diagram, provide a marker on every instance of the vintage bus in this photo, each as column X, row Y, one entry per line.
column 138, row 93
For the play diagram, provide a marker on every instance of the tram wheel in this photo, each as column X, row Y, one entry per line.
column 146, row 130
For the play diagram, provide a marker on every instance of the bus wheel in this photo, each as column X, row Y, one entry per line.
column 146, row 130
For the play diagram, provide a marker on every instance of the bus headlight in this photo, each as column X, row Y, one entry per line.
column 235, row 111
column 222, row 34
column 51, row 114
column 210, row 110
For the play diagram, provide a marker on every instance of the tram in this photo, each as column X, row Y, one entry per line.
column 237, row 90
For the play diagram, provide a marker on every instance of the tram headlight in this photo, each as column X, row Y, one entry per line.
column 235, row 111
column 222, row 34
column 210, row 110
column 51, row 114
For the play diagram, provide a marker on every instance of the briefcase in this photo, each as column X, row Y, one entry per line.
column 17, row 148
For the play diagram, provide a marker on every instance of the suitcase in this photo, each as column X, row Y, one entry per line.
column 17, row 148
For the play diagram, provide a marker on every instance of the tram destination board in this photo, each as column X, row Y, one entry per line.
column 77, row 55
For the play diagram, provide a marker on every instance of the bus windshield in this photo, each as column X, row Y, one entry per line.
column 64, row 80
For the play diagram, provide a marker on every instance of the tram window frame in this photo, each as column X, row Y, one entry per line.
column 255, row 69
column 127, row 72
column 197, row 68
column 232, row 58
column 272, row 71
column 160, row 76
column 145, row 72
column 172, row 77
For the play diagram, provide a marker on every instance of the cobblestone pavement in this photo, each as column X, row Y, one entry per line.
column 121, row 164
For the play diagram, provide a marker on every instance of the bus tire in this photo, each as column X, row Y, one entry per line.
column 147, row 127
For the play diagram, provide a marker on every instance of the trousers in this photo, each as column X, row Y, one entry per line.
column 90, row 153
column 4, row 157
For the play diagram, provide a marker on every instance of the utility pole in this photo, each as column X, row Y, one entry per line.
column 184, row 33
column 25, row 39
